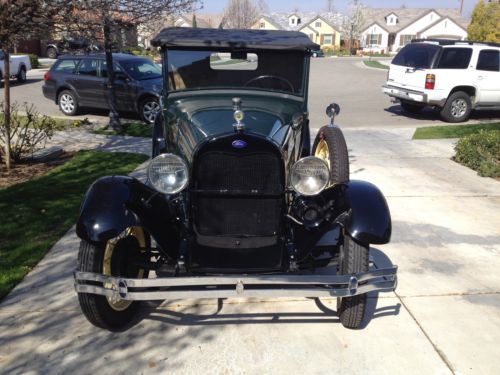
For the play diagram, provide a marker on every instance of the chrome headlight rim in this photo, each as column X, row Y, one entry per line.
column 177, row 159
column 322, row 187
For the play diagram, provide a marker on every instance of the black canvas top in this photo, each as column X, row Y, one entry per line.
column 222, row 38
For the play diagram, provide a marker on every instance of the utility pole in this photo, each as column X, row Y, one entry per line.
column 461, row 6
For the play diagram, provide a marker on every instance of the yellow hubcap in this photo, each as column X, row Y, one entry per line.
column 137, row 232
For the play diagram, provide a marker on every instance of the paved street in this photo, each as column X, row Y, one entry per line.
column 343, row 80
column 444, row 317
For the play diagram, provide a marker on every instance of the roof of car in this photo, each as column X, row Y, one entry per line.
column 102, row 55
column 233, row 38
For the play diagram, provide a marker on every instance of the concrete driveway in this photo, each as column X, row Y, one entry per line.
column 444, row 317
column 343, row 80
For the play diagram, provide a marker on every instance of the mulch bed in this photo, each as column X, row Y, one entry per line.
column 28, row 170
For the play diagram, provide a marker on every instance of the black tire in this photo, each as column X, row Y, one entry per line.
column 21, row 76
column 96, row 308
column 353, row 259
column 457, row 107
column 68, row 103
column 411, row 108
column 335, row 153
column 51, row 53
column 147, row 107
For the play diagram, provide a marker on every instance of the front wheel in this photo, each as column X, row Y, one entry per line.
column 457, row 107
column 115, row 258
column 353, row 259
column 51, row 53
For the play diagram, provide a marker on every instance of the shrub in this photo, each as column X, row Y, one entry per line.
column 480, row 152
column 28, row 133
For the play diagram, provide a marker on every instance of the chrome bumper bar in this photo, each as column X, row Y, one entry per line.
column 381, row 280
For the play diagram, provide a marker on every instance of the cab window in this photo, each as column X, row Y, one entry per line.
column 65, row 66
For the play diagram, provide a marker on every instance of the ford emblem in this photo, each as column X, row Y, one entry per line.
column 239, row 144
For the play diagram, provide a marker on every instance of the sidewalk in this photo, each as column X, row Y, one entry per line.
column 444, row 317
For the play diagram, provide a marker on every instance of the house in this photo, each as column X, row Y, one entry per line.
column 323, row 29
column 388, row 30
column 147, row 31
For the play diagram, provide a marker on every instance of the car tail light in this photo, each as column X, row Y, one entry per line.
column 46, row 76
column 430, row 81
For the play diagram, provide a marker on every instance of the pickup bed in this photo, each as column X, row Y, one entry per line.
column 19, row 65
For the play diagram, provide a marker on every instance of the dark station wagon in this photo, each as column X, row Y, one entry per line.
column 237, row 203
column 76, row 81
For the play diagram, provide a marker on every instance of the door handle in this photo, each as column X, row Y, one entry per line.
column 480, row 77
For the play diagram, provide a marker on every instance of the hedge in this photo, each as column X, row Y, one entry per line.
column 480, row 152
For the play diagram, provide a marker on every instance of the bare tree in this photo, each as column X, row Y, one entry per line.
column 91, row 17
column 329, row 6
column 19, row 19
column 240, row 14
column 354, row 22
column 263, row 6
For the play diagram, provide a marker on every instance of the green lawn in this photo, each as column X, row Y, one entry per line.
column 375, row 64
column 35, row 214
column 61, row 123
column 133, row 129
column 452, row 131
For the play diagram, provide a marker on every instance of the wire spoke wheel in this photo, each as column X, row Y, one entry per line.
column 67, row 103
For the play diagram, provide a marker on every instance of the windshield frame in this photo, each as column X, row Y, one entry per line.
column 165, row 72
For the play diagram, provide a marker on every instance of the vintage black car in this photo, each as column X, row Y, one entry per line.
column 237, row 203
column 70, row 45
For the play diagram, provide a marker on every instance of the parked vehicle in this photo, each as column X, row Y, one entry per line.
column 70, row 46
column 317, row 53
column 454, row 76
column 80, row 81
column 237, row 202
column 19, row 66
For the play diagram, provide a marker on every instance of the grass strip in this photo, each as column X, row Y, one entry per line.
column 452, row 131
column 34, row 215
column 375, row 64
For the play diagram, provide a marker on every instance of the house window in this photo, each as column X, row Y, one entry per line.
column 262, row 25
column 292, row 21
column 372, row 39
column 328, row 39
column 317, row 24
column 405, row 39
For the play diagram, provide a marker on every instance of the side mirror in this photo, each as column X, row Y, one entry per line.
column 332, row 110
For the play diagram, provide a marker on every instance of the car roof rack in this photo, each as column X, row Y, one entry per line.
column 447, row 42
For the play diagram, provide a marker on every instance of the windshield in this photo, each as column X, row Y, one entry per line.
column 141, row 69
column 418, row 56
column 280, row 71
column 209, row 122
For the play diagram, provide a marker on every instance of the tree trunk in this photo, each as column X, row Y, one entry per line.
column 114, row 118
column 6, row 76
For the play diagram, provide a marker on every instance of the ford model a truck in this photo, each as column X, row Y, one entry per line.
column 237, row 203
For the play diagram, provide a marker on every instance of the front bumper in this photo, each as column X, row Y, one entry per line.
column 381, row 280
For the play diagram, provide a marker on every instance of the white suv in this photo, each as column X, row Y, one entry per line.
column 455, row 76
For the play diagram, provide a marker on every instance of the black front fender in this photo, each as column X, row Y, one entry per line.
column 114, row 203
column 364, row 215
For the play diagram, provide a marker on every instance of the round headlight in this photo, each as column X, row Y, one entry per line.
column 309, row 176
column 168, row 173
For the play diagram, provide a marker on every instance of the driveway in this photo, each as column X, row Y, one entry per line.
column 444, row 317
column 343, row 80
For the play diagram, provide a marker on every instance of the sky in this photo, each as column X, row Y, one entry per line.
column 216, row 6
